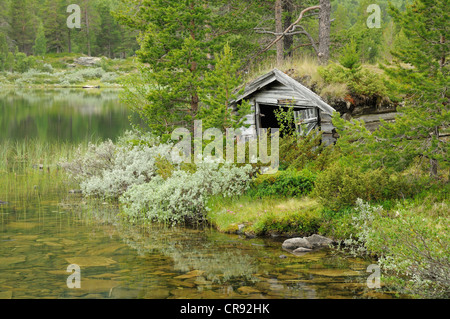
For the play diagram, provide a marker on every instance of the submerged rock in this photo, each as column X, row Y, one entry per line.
column 306, row 244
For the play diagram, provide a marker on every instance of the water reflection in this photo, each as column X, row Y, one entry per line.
column 61, row 114
column 38, row 240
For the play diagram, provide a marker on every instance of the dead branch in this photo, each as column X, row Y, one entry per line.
column 288, row 29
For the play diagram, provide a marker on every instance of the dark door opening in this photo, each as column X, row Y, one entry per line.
column 305, row 119
column 268, row 118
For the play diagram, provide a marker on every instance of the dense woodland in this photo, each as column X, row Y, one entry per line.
column 39, row 27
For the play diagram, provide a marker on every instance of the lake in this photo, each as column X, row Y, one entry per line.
column 73, row 115
column 44, row 229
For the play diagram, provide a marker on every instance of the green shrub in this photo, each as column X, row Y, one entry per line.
column 23, row 62
column 337, row 224
column 361, row 81
column 367, row 83
column 340, row 186
column 295, row 224
column 91, row 73
column 72, row 78
column 289, row 183
column 414, row 248
column 109, row 77
column 45, row 67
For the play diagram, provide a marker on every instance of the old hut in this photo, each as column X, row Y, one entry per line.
column 276, row 89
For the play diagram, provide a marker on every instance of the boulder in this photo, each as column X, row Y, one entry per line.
column 88, row 61
column 318, row 241
column 306, row 244
column 294, row 243
column 301, row 250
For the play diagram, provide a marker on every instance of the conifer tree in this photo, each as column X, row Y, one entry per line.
column 21, row 21
column 178, row 42
column 3, row 52
column 55, row 25
column 40, row 44
column 219, row 90
column 422, row 126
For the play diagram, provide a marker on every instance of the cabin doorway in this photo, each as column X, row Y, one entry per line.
column 305, row 119
column 268, row 118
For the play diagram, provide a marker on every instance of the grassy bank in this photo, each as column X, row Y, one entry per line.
column 62, row 71
column 266, row 216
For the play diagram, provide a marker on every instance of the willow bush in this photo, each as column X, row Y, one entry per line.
column 138, row 171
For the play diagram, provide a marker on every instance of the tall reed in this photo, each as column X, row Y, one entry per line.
column 30, row 168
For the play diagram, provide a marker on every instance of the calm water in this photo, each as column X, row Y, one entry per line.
column 61, row 114
column 39, row 239
column 44, row 230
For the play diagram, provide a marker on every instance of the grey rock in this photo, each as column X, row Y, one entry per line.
column 3, row 203
column 249, row 234
column 305, row 244
column 88, row 61
column 294, row 243
column 302, row 250
column 283, row 256
column 318, row 241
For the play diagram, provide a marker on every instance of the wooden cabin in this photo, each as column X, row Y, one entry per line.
column 276, row 89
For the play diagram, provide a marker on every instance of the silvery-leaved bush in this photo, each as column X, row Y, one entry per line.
column 128, row 171
column 183, row 195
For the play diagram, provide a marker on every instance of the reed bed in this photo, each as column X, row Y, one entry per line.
column 30, row 169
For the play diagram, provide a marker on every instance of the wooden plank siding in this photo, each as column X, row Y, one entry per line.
column 278, row 89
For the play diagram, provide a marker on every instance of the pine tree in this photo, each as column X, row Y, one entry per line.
column 422, row 126
column 219, row 90
column 55, row 25
column 40, row 44
column 21, row 20
column 109, row 30
column 178, row 41
column 4, row 50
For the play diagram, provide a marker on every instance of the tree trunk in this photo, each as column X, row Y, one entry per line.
column 434, row 165
column 87, row 30
column 279, row 30
column 288, row 9
column 442, row 61
column 69, row 41
column 324, row 31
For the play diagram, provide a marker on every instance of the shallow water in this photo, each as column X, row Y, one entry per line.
column 39, row 239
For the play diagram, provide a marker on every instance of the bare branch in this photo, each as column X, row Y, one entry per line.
column 288, row 29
